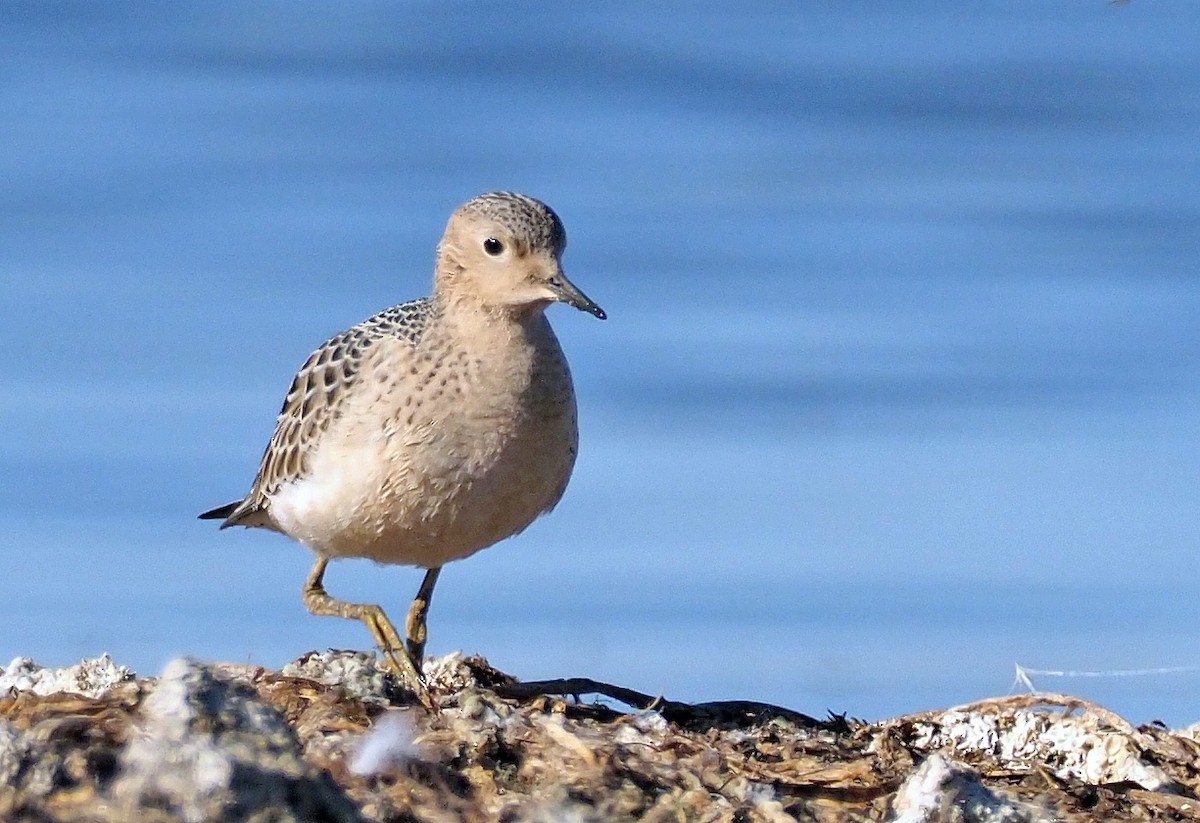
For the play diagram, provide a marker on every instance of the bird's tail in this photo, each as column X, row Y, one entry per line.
column 221, row 512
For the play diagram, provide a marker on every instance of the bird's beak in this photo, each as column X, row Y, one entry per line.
column 565, row 291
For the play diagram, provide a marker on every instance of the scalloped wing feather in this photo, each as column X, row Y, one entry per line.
column 314, row 400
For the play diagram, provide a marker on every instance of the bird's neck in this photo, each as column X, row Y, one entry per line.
column 469, row 314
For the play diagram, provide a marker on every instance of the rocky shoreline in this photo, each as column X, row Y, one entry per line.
column 330, row 738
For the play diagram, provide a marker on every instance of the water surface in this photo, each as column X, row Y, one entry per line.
column 899, row 384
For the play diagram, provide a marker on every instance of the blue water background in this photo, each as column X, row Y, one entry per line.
column 899, row 387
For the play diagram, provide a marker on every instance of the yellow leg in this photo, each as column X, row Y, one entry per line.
column 414, row 624
column 318, row 602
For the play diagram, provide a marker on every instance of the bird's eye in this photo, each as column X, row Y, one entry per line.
column 493, row 246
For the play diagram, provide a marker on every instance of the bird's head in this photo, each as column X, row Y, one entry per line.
column 504, row 250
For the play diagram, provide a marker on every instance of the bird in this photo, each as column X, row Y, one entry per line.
column 434, row 428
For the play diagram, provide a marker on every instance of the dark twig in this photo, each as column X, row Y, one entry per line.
column 733, row 711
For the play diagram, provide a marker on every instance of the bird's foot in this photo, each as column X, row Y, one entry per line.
column 403, row 664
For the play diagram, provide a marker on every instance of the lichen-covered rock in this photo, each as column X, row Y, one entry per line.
column 90, row 678
column 358, row 674
column 210, row 749
column 1071, row 746
column 942, row 791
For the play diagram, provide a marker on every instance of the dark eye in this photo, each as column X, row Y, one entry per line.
column 493, row 246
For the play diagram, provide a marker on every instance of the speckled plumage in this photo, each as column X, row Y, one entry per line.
column 532, row 221
column 437, row 427
column 315, row 397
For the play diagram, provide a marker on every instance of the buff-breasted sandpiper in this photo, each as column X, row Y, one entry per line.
column 434, row 429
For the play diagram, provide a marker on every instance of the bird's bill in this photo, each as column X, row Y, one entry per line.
column 565, row 291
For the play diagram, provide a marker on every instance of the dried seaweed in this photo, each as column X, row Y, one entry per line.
column 328, row 738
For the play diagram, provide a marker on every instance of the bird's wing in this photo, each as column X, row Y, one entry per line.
column 316, row 396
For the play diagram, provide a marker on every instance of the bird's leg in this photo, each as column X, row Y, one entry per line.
column 318, row 602
column 414, row 625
